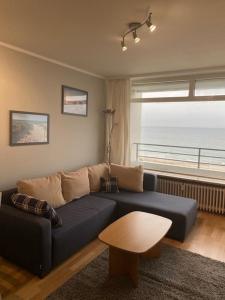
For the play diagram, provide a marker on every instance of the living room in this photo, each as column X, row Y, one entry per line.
column 112, row 149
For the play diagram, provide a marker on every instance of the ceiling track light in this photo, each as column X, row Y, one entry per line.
column 133, row 27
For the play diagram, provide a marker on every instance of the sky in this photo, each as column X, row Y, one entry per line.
column 29, row 117
column 210, row 114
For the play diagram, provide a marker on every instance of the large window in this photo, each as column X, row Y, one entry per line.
column 180, row 126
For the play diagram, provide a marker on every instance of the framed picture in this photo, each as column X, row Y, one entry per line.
column 28, row 128
column 74, row 101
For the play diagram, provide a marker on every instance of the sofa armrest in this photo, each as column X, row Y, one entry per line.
column 25, row 239
column 150, row 182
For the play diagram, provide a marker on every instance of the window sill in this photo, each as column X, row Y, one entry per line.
column 192, row 178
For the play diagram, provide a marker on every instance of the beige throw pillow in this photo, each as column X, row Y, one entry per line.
column 129, row 178
column 75, row 184
column 44, row 188
column 95, row 173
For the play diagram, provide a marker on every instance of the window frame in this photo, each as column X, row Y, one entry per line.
column 192, row 82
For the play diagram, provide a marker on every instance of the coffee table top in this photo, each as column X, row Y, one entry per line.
column 136, row 232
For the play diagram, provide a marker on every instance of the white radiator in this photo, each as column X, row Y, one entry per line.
column 210, row 197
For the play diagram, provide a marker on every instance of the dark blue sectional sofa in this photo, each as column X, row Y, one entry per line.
column 32, row 243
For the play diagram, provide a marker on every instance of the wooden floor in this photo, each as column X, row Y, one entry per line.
column 207, row 238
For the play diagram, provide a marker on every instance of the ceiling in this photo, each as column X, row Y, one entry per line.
column 86, row 33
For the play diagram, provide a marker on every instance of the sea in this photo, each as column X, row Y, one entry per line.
column 79, row 109
column 183, row 143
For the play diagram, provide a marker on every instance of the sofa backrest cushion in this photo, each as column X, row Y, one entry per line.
column 75, row 184
column 44, row 188
column 129, row 178
column 95, row 173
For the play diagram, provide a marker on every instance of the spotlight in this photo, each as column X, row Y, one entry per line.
column 152, row 28
column 136, row 38
column 149, row 23
column 124, row 47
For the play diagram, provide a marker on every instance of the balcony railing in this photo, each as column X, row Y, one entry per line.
column 192, row 157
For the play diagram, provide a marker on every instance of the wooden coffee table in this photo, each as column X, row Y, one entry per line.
column 135, row 234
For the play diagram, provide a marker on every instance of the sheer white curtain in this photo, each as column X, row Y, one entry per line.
column 118, row 92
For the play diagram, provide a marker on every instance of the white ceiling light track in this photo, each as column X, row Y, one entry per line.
column 133, row 28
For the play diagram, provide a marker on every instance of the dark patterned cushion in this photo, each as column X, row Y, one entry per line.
column 109, row 185
column 36, row 207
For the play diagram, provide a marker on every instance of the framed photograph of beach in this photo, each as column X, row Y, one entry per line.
column 28, row 128
column 74, row 101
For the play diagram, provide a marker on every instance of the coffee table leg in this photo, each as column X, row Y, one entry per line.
column 154, row 252
column 123, row 263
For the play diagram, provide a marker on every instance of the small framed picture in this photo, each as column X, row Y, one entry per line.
column 28, row 128
column 74, row 101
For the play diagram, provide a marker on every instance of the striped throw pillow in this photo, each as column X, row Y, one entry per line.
column 36, row 207
column 109, row 185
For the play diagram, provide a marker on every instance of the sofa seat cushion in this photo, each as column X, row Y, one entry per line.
column 182, row 211
column 82, row 220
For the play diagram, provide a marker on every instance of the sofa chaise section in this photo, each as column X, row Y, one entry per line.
column 182, row 211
